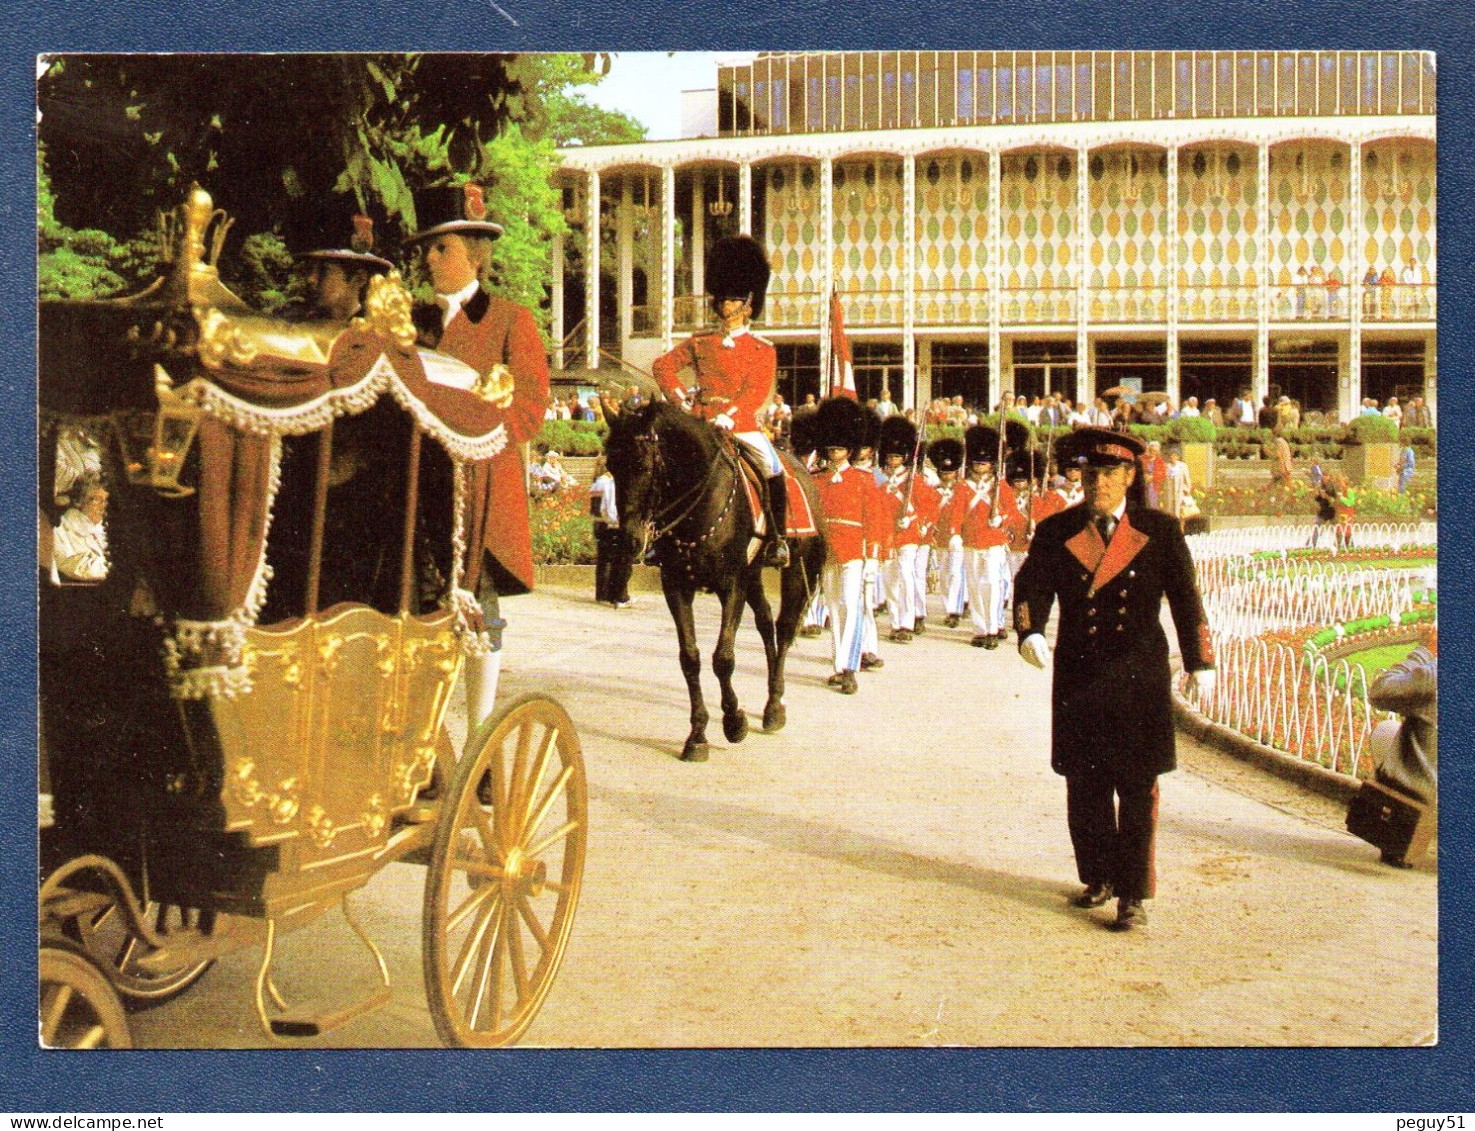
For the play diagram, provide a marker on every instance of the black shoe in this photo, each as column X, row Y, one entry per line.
column 811, row 630
column 1003, row 634
column 991, row 642
column 870, row 662
column 777, row 553
column 920, row 627
column 1095, row 895
column 848, row 685
column 1130, row 914
column 952, row 620
column 982, row 641
column 835, row 680
column 900, row 636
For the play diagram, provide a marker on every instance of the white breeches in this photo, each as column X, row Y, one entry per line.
column 845, row 595
column 954, row 582
column 919, row 580
column 761, row 444
column 988, row 581
column 818, row 613
column 902, row 595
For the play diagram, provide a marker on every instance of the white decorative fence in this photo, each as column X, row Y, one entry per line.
column 1293, row 698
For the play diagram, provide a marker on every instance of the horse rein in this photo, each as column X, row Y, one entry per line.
column 687, row 502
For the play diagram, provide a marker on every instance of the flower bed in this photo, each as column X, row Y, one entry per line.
column 563, row 531
column 1299, row 499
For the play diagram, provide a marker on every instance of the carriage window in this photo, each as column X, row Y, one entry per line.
column 78, row 524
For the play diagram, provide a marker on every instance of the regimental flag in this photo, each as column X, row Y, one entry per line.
column 842, row 372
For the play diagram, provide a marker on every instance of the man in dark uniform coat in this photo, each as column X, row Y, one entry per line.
column 1110, row 561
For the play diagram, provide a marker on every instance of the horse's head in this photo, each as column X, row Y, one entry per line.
column 655, row 454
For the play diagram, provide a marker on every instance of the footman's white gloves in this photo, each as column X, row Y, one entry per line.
column 723, row 421
column 1035, row 649
column 1202, row 682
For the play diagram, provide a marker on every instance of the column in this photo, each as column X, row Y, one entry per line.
column 1349, row 397
column 1262, row 298
column 745, row 198
column 1084, row 377
column 668, row 254
column 555, row 299
column 995, row 275
column 1174, row 387
column 827, row 264
column 625, row 262
column 699, row 232
column 909, row 392
column 591, row 271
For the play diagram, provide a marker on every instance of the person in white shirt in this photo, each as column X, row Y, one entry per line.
column 1190, row 407
column 612, row 560
column 80, row 544
column 1394, row 411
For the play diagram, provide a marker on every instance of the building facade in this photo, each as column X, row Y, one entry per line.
column 1192, row 222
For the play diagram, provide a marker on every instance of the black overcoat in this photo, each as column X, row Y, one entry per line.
column 1111, row 700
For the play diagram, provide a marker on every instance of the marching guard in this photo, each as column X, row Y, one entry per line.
column 1031, row 506
column 855, row 516
column 946, row 456
column 736, row 371
column 1110, row 563
column 980, row 506
column 865, row 460
column 916, row 506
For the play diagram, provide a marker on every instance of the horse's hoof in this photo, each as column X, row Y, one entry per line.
column 735, row 727
column 774, row 719
column 695, row 751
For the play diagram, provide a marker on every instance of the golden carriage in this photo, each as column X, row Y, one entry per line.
column 245, row 675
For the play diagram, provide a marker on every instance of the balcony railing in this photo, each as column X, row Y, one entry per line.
column 952, row 308
column 1400, row 302
column 645, row 321
column 1220, row 304
column 872, row 308
column 1128, row 304
column 1036, row 305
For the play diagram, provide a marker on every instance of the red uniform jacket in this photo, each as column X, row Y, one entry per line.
column 1018, row 529
column 737, row 379
column 488, row 331
column 856, row 514
column 924, row 507
column 942, row 525
column 971, row 519
column 1052, row 502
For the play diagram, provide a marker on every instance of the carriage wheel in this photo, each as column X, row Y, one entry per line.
column 105, row 936
column 505, row 874
column 79, row 1008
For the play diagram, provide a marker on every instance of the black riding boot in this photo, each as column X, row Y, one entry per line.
column 777, row 546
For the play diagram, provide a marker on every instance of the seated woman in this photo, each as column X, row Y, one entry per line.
column 80, row 542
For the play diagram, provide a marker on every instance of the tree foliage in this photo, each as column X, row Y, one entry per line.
column 273, row 137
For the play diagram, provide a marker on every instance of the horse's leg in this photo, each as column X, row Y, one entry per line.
column 678, row 600
column 734, row 722
column 773, row 710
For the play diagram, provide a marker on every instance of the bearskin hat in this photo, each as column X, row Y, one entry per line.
column 737, row 268
column 1025, row 465
column 946, row 454
column 898, row 438
column 982, row 443
column 870, row 436
column 1016, row 434
column 804, row 432
column 840, row 423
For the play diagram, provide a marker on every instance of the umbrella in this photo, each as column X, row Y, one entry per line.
column 1119, row 391
column 1153, row 398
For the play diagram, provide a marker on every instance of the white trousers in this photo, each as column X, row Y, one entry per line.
column 818, row 613
column 845, row 595
column 988, row 581
column 764, row 447
column 954, row 582
column 904, row 601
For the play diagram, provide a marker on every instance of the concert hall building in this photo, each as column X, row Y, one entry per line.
column 1189, row 221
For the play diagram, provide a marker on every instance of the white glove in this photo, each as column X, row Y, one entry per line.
column 722, row 420
column 997, row 520
column 1035, row 649
column 871, row 570
column 907, row 521
column 955, row 542
column 1202, row 683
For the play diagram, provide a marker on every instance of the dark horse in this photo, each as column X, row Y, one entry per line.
column 678, row 476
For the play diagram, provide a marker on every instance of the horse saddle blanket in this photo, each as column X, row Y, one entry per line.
column 800, row 519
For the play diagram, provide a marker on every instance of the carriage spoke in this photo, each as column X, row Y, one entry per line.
column 490, row 953
column 514, row 952
column 537, row 819
column 93, row 1038
column 55, row 1010
column 474, row 900
column 490, row 837
column 530, row 917
column 499, row 802
column 551, row 838
column 490, row 977
column 475, row 942
column 549, row 739
column 515, row 797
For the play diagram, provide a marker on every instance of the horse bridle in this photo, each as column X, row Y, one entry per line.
column 655, row 527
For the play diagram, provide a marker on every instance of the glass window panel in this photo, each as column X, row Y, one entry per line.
column 1101, row 71
column 965, row 94
column 909, row 96
column 1347, row 83
column 1121, row 93
column 834, row 95
column 1142, row 84
column 724, row 101
column 1390, row 83
column 760, row 104
column 1411, row 67
column 852, row 102
column 1368, row 96
column 1062, row 88
column 1265, row 83
column 986, row 90
column 1024, row 93
column 1183, row 93
column 744, row 107
column 1426, row 98
column 927, row 88
column 1244, row 84
column 1224, row 85
column 870, row 92
column 1285, row 83
column 1085, row 88
column 1044, row 81
column 815, row 102
column 888, row 90
column 1326, row 82
column 947, row 87
column 1004, row 90
column 1307, row 86
column 1162, row 77
column 1203, row 87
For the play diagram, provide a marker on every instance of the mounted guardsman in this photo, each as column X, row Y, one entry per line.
column 946, row 456
column 736, row 371
column 855, row 525
column 338, row 274
column 1110, row 563
column 917, row 506
column 980, row 505
column 499, row 339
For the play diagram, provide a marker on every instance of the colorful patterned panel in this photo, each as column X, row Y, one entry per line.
column 795, row 242
column 1128, row 194
column 952, row 235
column 1217, row 215
column 1309, row 217
column 868, row 226
column 1398, row 208
column 1037, row 214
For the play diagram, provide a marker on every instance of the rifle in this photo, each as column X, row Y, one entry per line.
column 999, row 462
